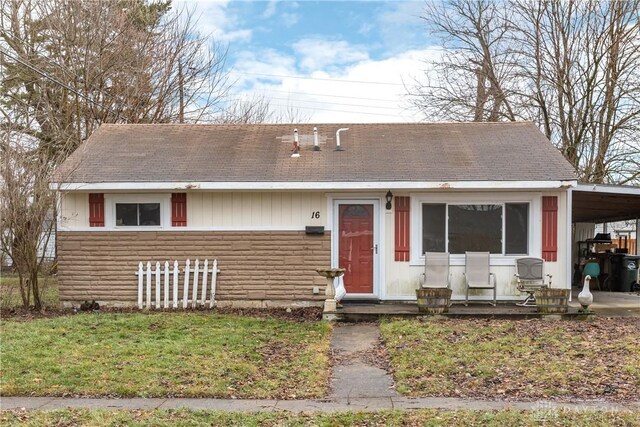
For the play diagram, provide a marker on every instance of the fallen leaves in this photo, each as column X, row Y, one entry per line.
column 516, row 359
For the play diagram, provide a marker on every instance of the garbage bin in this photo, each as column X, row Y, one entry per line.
column 630, row 265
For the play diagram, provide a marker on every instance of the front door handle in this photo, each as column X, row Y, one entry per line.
column 375, row 249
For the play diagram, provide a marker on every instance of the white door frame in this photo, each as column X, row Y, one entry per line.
column 377, row 240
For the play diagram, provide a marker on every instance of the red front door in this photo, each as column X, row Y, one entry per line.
column 355, row 247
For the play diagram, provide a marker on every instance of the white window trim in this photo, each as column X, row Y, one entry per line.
column 535, row 222
column 110, row 201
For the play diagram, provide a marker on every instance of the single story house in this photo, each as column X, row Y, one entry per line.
column 272, row 203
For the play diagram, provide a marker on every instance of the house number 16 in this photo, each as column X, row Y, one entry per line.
column 315, row 215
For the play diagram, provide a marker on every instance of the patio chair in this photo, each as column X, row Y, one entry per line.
column 477, row 274
column 436, row 270
column 529, row 278
column 592, row 268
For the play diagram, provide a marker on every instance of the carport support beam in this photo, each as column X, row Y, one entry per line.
column 569, row 242
column 637, row 236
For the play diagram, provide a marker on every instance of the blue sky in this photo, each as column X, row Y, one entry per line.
column 331, row 61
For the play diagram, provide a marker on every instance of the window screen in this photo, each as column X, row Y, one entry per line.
column 475, row 228
column 434, row 217
column 517, row 228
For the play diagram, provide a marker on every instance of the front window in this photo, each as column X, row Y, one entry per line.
column 501, row 229
column 137, row 214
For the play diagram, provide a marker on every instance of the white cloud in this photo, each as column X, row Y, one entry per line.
column 318, row 53
column 270, row 9
column 215, row 19
column 337, row 95
column 289, row 19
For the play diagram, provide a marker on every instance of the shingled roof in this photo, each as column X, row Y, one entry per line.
column 436, row 152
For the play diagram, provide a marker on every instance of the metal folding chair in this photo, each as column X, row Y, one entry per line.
column 529, row 278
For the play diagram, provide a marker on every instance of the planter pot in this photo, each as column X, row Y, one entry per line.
column 552, row 301
column 433, row 300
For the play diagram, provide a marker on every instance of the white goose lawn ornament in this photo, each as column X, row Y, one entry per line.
column 585, row 297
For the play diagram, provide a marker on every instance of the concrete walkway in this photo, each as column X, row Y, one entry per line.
column 309, row 406
column 357, row 372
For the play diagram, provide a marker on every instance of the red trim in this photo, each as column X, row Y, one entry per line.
column 179, row 209
column 402, row 234
column 96, row 210
column 550, row 228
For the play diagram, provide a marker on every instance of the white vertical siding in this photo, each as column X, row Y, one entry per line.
column 255, row 209
column 74, row 209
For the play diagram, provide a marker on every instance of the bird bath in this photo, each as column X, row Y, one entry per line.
column 330, row 291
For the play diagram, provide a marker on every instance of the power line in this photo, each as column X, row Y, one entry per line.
column 317, row 78
column 321, row 94
column 336, row 111
column 380, row 107
column 58, row 82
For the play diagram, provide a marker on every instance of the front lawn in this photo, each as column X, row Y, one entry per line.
column 431, row 417
column 515, row 359
column 165, row 354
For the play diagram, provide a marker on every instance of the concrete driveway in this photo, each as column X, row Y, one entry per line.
column 614, row 304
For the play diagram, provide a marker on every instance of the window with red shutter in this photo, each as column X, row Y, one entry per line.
column 402, row 232
column 550, row 228
column 179, row 209
column 96, row 210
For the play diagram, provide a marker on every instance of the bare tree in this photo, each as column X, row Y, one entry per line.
column 258, row 109
column 581, row 60
column 472, row 79
column 572, row 66
column 254, row 109
column 77, row 64
column 26, row 210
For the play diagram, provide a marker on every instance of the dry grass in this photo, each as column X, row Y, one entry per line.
column 10, row 293
column 515, row 359
column 183, row 417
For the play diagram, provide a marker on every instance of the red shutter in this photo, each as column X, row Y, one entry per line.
column 179, row 209
column 96, row 210
column 550, row 228
column 402, row 234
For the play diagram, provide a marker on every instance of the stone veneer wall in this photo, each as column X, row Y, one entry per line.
column 257, row 268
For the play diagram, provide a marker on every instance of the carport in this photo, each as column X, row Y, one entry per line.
column 601, row 204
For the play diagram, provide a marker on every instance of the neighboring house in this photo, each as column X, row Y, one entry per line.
column 234, row 192
column 46, row 243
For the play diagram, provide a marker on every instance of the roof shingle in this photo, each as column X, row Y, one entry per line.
column 372, row 152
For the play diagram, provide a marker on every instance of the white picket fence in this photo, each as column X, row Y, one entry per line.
column 166, row 295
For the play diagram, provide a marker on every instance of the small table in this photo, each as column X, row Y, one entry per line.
column 330, row 291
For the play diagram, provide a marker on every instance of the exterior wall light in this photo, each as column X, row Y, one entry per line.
column 389, row 197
